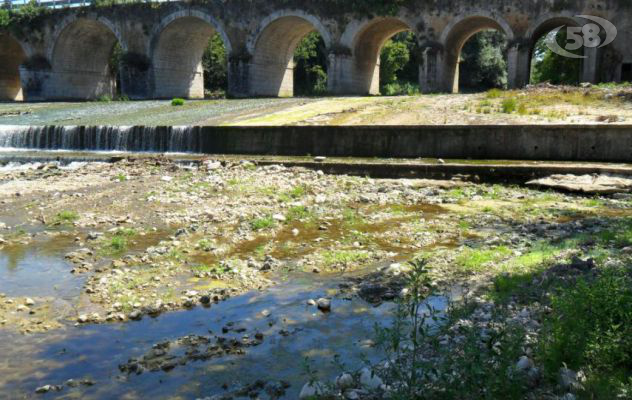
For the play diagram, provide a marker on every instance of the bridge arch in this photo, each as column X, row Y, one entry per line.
column 457, row 33
column 12, row 55
column 366, row 41
column 542, row 27
column 177, row 46
column 80, row 58
column 272, row 48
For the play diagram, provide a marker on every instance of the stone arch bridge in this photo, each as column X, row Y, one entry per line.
column 64, row 54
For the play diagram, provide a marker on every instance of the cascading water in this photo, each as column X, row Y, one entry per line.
column 102, row 138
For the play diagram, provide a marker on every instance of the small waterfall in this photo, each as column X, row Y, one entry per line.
column 176, row 139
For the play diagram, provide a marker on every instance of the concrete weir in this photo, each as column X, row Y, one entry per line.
column 606, row 143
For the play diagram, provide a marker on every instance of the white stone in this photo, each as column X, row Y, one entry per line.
column 345, row 381
column 311, row 389
column 369, row 380
column 524, row 363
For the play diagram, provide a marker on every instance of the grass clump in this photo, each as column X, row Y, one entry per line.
column 493, row 94
column 298, row 213
column 475, row 260
column 590, row 329
column 344, row 257
column 509, row 106
column 217, row 269
column 119, row 242
column 66, row 217
column 259, row 224
column 177, row 102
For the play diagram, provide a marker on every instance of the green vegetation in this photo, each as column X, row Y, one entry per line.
column 217, row 269
column 551, row 67
column 484, row 55
column 344, row 257
column 399, row 59
column 65, row 217
column 118, row 243
column 215, row 64
column 310, row 71
column 476, row 260
column 258, row 224
column 297, row 213
column 590, row 329
column 509, row 106
column 177, row 102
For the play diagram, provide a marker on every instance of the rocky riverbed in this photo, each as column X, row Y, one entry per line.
column 97, row 249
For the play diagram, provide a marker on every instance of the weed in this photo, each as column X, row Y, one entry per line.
column 508, row 106
column 297, row 213
column 258, row 224
column 590, row 328
column 177, row 102
column 66, row 217
column 493, row 93
column 475, row 260
column 344, row 257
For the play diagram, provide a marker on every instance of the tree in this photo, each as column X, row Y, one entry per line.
column 548, row 66
column 483, row 63
column 310, row 66
column 215, row 64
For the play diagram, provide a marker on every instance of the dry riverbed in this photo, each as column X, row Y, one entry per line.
column 140, row 238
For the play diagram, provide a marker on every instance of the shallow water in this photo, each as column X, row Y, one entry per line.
column 38, row 269
column 96, row 351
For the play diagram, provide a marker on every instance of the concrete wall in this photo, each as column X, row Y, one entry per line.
column 563, row 142
column 261, row 35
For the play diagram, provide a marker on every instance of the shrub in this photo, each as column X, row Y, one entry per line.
column 590, row 328
column 177, row 102
column 400, row 89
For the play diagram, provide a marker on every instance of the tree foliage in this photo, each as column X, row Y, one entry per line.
column 399, row 65
column 215, row 64
column 550, row 67
column 483, row 64
column 310, row 66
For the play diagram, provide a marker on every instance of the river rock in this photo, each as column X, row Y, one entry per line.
column 324, row 304
column 311, row 389
column 369, row 380
column 345, row 381
column 135, row 315
column 524, row 363
column 592, row 184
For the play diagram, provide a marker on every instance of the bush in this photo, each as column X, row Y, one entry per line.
column 590, row 328
column 400, row 88
column 177, row 102
column 509, row 106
